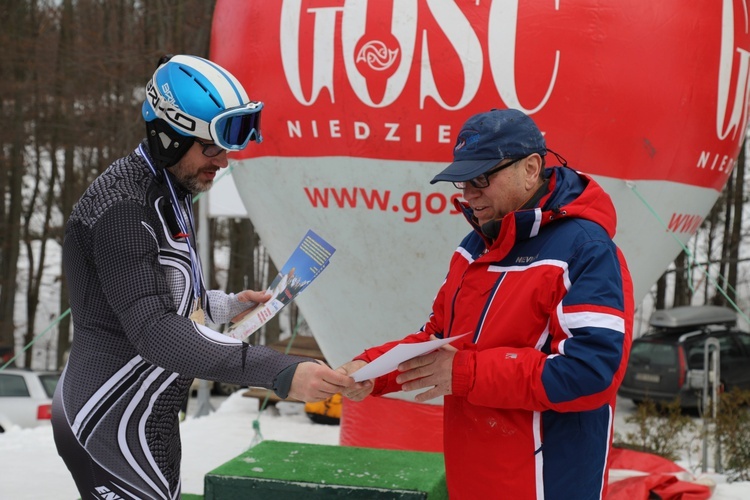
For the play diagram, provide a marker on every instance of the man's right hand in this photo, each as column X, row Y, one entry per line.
column 359, row 390
column 317, row 382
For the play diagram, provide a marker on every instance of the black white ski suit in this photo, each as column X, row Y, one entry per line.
column 135, row 351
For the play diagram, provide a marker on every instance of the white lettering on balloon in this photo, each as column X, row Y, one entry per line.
column 501, row 39
column 738, row 117
column 324, row 35
column 731, row 111
column 464, row 40
column 390, row 131
column 716, row 161
column 403, row 25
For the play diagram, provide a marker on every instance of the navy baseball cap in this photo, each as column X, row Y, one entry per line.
column 486, row 138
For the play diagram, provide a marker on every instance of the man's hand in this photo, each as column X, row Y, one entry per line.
column 317, row 381
column 359, row 390
column 250, row 296
column 433, row 370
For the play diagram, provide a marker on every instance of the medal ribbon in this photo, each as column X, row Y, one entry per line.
column 188, row 230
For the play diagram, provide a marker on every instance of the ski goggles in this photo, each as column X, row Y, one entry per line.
column 234, row 128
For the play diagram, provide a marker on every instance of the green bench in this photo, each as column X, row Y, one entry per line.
column 289, row 471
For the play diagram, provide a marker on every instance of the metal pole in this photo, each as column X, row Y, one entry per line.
column 710, row 381
column 716, row 358
column 704, row 410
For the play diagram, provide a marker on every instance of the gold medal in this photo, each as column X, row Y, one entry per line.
column 198, row 315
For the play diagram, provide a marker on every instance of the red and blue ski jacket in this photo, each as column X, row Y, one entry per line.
column 549, row 308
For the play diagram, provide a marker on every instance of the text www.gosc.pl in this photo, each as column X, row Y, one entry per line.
column 412, row 203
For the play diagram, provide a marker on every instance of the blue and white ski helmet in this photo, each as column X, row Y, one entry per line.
column 199, row 98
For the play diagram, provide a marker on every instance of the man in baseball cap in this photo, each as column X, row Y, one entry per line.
column 540, row 302
column 488, row 144
column 487, row 138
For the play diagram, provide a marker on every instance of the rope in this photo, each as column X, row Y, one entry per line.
column 689, row 254
column 651, row 209
column 54, row 323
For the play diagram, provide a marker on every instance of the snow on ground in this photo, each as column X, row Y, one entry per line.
column 31, row 469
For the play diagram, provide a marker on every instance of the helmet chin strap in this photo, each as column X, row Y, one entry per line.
column 165, row 144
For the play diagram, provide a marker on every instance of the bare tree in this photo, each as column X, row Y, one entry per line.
column 73, row 79
column 682, row 294
column 735, row 239
column 70, row 186
column 660, row 300
column 17, row 20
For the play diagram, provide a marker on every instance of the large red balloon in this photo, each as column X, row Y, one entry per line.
column 364, row 100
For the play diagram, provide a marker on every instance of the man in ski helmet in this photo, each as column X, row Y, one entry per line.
column 138, row 299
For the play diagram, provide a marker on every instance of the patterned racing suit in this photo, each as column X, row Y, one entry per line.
column 135, row 351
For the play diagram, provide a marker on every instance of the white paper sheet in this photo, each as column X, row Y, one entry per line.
column 402, row 352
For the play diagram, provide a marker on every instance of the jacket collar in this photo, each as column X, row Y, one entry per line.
column 569, row 194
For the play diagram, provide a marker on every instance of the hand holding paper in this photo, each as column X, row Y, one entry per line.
column 391, row 359
column 360, row 390
column 432, row 371
column 306, row 262
column 253, row 297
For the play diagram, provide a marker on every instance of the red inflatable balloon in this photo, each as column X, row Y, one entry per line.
column 364, row 100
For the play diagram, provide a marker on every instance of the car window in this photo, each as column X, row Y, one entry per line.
column 49, row 382
column 13, row 386
column 729, row 350
column 695, row 354
column 744, row 339
column 654, row 354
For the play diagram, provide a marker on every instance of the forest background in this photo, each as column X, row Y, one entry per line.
column 72, row 83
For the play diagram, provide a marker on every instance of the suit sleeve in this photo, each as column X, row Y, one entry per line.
column 126, row 255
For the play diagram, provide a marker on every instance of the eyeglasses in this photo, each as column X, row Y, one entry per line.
column 483, row 180
column 210, row 150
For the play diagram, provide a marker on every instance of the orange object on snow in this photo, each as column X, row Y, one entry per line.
column 325, row 412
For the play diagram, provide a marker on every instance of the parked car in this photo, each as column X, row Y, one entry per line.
column 6, row 353
column 26, row 397
column 667, row 362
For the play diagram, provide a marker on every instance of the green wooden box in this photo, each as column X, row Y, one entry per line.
column 290, row 471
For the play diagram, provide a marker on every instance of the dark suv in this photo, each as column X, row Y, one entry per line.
column 667, row 362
